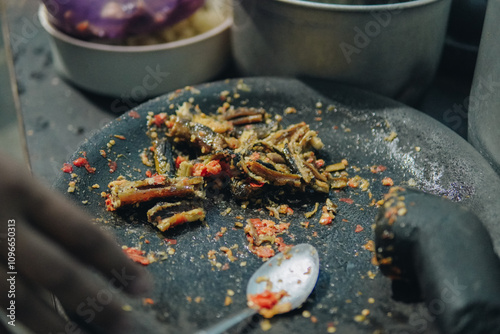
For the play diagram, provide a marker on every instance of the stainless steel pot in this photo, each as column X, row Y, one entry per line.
column 392, row 49
column 484, row 101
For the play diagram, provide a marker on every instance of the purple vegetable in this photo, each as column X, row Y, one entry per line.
column 117, row 19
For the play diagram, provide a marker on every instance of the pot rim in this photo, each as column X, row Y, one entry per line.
column 357, row 8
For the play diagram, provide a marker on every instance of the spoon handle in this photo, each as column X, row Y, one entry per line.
column 225, row 324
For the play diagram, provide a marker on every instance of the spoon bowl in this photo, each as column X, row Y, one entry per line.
column 295, row 272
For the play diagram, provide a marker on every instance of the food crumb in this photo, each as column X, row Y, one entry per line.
column 359, row 228
column 387, row 181
column 127, row 308
column 371, row 300
column 417, row 148
column 391, row 137
column 313, row 211
column 369, row 246
column 228, row 301
column 71, row 186
column 306, row 314
column 225, row 212
column 265, row 325
column 331, row 328
column 134, row 114
column 261, row 279
column 148, row 301
column 359, row 318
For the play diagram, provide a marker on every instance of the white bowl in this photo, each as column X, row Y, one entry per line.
column 139, row 72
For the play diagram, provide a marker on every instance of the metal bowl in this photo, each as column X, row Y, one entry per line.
column 139, row 72
column 389, row 48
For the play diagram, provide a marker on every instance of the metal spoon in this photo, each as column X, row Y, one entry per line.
column 296, row 274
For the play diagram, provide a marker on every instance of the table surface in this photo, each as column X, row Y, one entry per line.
column 57, row 116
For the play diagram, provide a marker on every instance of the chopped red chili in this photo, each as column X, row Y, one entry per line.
column 347, row 200
column 112, row 166
column 377, row 169
column 159, row 119
column 170, row 241
column 320, row 163
column 67, row 168
column 134, row 114
column 136, row 255
column 158, row 179
column 180, row 159
column 211, row 168
column 82, row 162
column 148, row 301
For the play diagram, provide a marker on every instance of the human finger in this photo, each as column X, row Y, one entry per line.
column 65, row 224
column 82, row 293
column 26, row 305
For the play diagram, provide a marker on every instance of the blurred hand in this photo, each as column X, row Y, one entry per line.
column 48, row 246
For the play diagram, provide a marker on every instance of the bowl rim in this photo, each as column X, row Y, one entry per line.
column 358, row 8
column 43, row 16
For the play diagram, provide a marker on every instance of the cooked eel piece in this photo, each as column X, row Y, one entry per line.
column 244, row 115
column 124, row 192
column 273, row 176
column 277, row 157
column 280, row 136
column 244, row 190
column 217, row 125
column 162, row 151
column 161, row 216
column 197, row 134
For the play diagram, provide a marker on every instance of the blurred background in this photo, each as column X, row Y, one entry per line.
column 10, row 131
